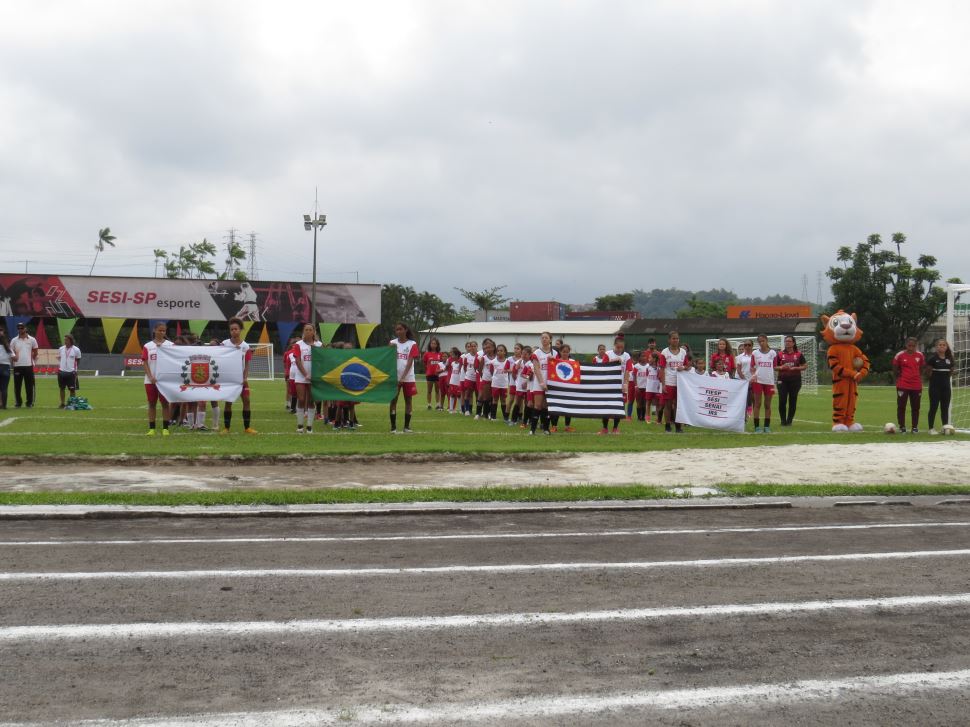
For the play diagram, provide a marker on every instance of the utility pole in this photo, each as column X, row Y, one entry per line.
column 252, row 273
column 805, row 287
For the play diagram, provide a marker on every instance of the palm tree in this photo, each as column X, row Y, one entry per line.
column 159, row 255
column 104, row 238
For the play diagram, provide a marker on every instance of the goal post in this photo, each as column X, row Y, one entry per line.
column 807, row 345
column 958, row 336
column 261, row 365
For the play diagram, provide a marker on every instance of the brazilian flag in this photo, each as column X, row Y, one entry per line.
column 354, row 374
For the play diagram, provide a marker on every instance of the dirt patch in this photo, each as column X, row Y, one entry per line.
column 930, row 463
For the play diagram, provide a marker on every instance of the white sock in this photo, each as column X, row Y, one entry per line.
column 300, row 415
column 200, row 418
column 215, row 417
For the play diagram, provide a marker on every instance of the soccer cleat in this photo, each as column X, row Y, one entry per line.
column 164, row 432
column 767, row 430
column 679, row 429
column 615, row 431
column 468, row 413
column 151, row 432
column 933, row 432
column 477, row 417
column 250, row 430
column 570, row 429
column 603, row 431
column 914, row 430
column 309, row 430
column 757, row 430
column 531, row 433
column 299, row 430
column 547, row 432
column 553, row 429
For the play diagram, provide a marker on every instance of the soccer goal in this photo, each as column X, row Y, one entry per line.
column 958, row 336
column 261, row 364
column 808, row 345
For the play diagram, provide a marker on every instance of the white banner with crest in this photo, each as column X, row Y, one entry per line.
column 199, row 373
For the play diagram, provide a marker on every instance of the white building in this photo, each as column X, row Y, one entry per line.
column 582, row 336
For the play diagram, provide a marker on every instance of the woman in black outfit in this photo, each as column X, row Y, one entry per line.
column 791, row 363
column 941, row 368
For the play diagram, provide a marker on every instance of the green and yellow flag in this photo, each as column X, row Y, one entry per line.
column 354, row 374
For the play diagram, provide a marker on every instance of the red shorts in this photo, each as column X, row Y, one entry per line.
column 408, row 387
column 291, row 387
column 499, row 391
column 154, row 396
column 651, row 395
column 764, row 389
column 468, row 385
column 454, row 390
column 670, row 394
column 245, row 390
column 529, row 395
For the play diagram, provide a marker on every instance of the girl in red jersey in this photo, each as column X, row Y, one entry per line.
column 537, row 387
column 724, row 353
column 908, row 367
column 791, row 363
column 407, row 353
column 433, row 361
column 500, row 382
column 764, row 361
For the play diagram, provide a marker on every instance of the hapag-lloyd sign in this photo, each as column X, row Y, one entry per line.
column 66, row 296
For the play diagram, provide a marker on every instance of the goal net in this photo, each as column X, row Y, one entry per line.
column 958, row 336
column 261, row 364
column 808, row 345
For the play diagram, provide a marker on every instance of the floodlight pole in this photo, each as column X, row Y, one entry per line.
column 316, row 223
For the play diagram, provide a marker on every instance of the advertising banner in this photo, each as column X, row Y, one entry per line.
column 769, row 311
column 199, row 373
column 711, row 402
column 75, row 296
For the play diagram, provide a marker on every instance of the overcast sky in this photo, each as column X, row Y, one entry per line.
column 564, row 149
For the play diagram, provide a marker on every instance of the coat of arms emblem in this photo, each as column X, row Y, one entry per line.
column 199, row 370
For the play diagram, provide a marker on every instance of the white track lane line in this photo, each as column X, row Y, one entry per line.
column 8, row 421
column 551, row 706
column 189, row 629
column 473, row 569
column 486, row 536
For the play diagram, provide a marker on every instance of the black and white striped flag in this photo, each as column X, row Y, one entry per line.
column 597, row 393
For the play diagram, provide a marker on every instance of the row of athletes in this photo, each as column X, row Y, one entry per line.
column 193, row 415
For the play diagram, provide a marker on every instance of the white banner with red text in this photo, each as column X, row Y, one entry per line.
column 199, row 373
column 711, row 402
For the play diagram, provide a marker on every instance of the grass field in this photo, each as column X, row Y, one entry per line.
column 117, row 426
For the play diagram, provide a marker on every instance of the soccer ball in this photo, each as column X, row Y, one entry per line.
column 948, row 429
column 889, row 428
column 857, row 363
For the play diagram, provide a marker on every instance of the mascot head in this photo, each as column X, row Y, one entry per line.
column 841, row 328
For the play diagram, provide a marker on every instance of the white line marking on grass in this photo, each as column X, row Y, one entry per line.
column 546, row 707
column 484, row 536
column 185, row 629
column 458, row 569
column 8, row 421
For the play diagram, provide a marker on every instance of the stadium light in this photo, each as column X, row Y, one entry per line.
column 315, row 224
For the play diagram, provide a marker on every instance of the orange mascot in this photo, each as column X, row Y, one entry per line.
column 849, row 366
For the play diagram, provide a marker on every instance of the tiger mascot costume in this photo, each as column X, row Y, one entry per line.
column 849, row 366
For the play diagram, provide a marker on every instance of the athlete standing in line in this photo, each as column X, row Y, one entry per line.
column 618, row 353
column 433, row 361
column 674, row 358
column 236, row 341
column 407, row 353
column 302, row 376
column 908, row 367
column 149, row 357
column 537, row 387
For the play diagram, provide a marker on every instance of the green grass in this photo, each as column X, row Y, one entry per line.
column 117, row 427
column 835, row 490
column 342, row 496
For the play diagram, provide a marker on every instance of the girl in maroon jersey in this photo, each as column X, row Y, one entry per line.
column 791, row 363
column 908, row 367
column 433, row 361
column 723, row 353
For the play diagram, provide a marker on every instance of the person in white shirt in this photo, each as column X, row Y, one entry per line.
column 6, row 358
column 24, row 348
column 764, row 361
column 68, row 357
column 149, row 357
column 236, row 341
column 407, row 354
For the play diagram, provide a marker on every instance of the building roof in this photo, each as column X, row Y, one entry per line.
column 556, row 328
column 720, row 326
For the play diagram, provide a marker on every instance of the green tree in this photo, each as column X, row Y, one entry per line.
column 104, row 238
column 160, row 256
column 419, row 310
column 235, row 256
column 485, row 300
column 616, row 301
column 892, row 298
column 697, row 308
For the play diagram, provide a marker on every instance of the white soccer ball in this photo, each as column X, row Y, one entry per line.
column 948, row 429
column 889, row 428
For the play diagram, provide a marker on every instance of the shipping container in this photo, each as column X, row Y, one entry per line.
column 523, row 310
column 603, row 315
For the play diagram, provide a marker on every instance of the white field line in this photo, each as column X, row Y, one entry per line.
column 186, row 629
column 547, row 707
column 8, row 421
column 484, row 536
column 471, row 569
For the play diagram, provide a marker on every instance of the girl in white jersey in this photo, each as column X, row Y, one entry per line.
column 500, row 382
column 516, row 385
column 453, row 368
column 236, row 341
column 765, row 361
column 745, row 371
column 485, row 370
column 469, row 377
column 537, row 386
column 618, row 353
column 407, row 354
column 302, row 373
column 149, row 356
column 674, row 358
